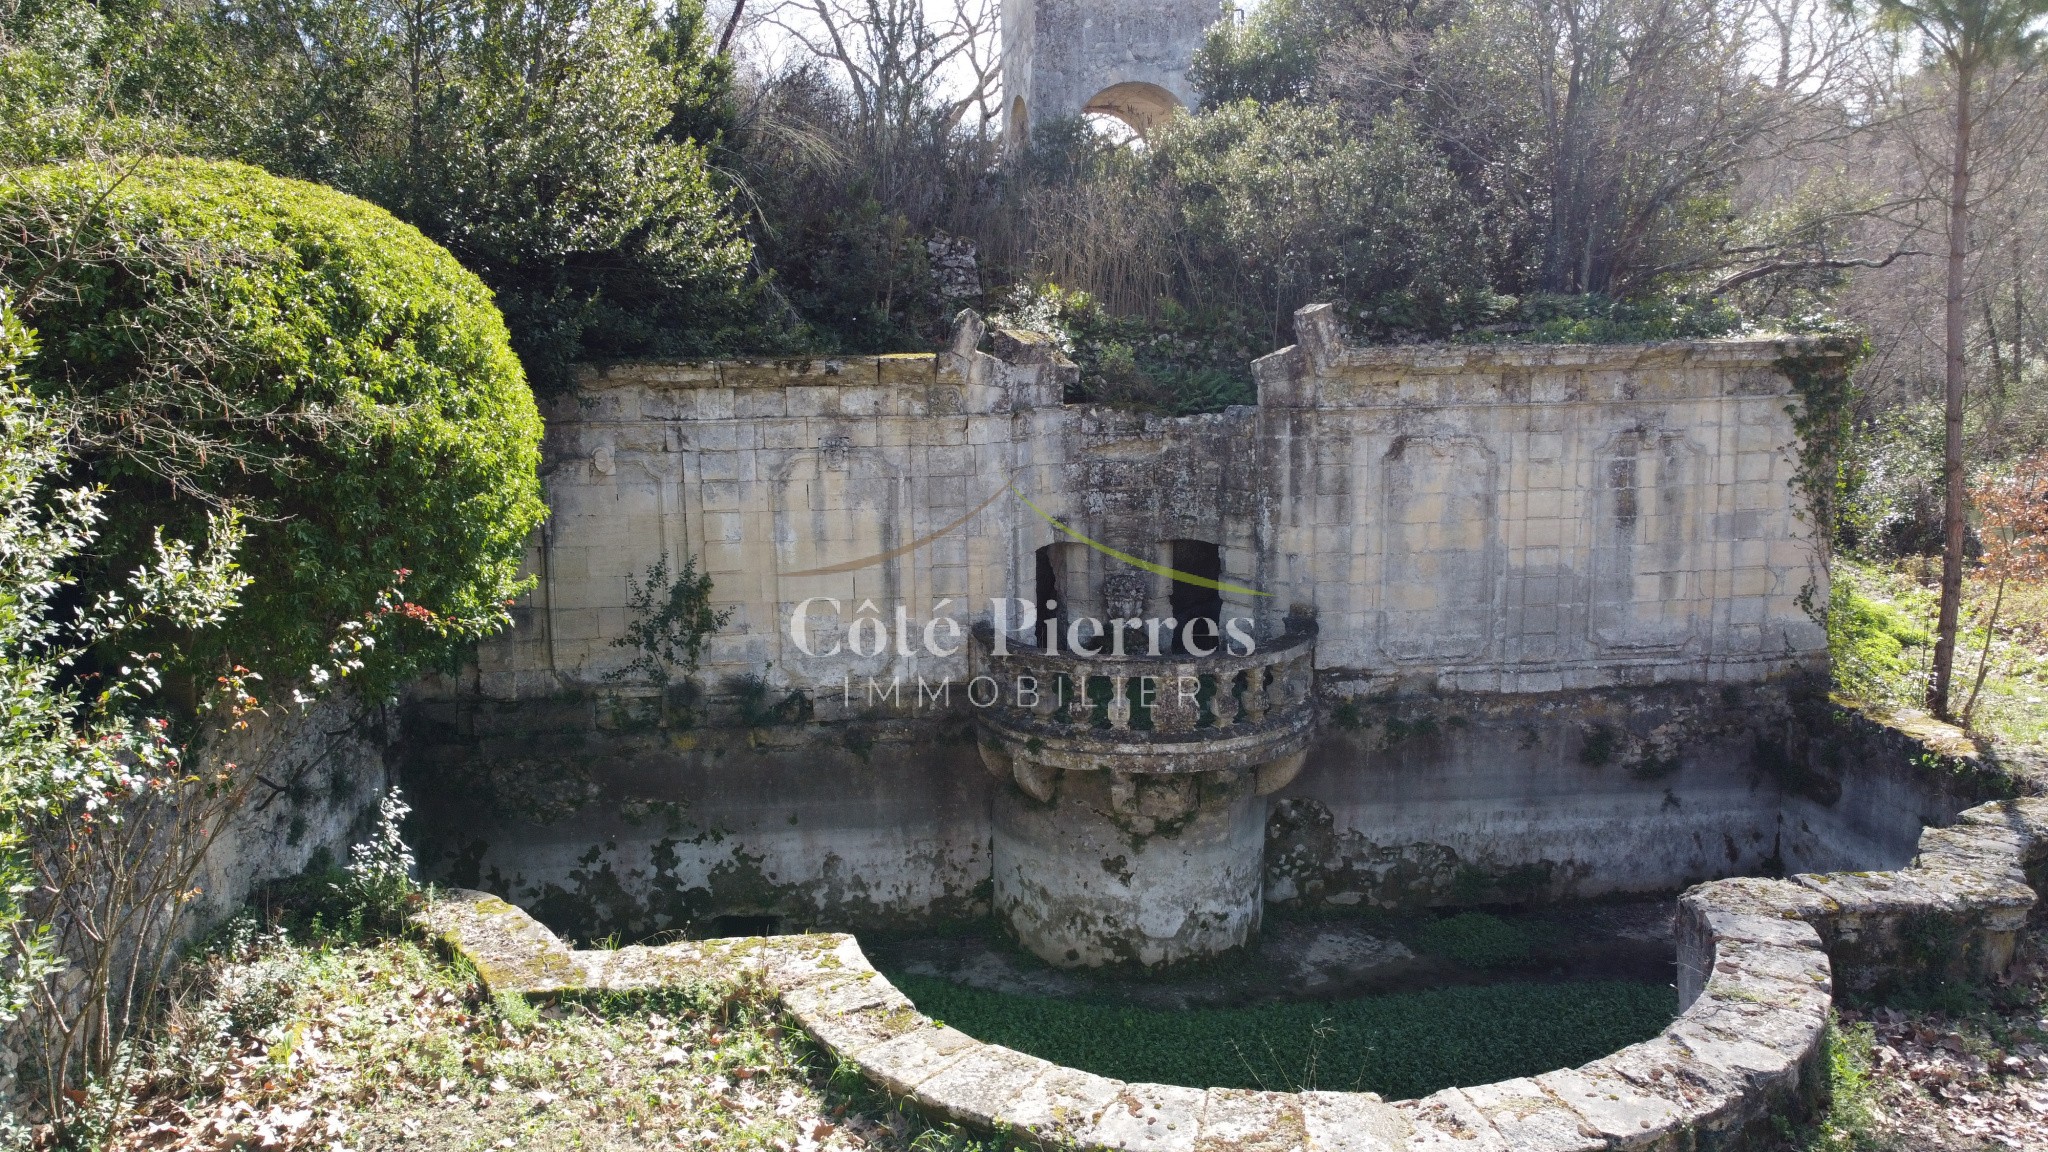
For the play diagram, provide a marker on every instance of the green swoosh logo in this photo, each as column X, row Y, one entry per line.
column 1133, row 561
column 1106, row 550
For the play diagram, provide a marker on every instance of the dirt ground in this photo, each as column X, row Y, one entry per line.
column 1963, row 1070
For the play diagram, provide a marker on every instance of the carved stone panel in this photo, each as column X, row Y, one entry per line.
column 1439, row 548
column 1649, row 549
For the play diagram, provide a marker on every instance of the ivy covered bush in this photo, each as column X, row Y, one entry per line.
column 219, row 338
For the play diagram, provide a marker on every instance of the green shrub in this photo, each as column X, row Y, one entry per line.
column 1402, row 1045
column 378, row 886
column 1289, row 203
column 225, row 338
column 1476, row 940
column 562, row 150
column 1178, row 362
column 1541, row 318
column 1271, row 56
column 1868, row 642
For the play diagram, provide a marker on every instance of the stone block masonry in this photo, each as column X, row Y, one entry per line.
column 1490, row 519
column 1123, row 58
column 1502, row 537
column 1759, row 962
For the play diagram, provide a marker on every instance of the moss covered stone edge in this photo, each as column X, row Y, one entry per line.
column 1758, row 958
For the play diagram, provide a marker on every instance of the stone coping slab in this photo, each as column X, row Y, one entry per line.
column 1756, row 982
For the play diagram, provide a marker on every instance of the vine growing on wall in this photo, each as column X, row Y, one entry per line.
column 1822, row 382
column 1820, row 419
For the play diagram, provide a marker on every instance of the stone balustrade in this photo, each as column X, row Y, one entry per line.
column 1759, row 960
column 1136, row 829
column 1150, row 714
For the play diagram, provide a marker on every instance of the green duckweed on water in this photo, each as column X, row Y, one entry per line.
column 1400, row 1045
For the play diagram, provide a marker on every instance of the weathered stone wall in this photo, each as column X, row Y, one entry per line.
column 1464, row 798
column 1470, row 519
column 604, row 825
column 1460, row 798
column 1558, row 595
column 320, row 774
column 1126, row 57
column 1858, row 790
column 1528, row 519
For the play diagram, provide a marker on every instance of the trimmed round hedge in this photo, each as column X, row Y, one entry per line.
column 227, row 337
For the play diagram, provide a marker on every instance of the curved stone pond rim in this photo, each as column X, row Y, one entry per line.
column 1759, row 963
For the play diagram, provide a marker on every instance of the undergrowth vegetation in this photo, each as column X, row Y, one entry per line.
column 1178, row 362
column 1878, row 647
column 1880, row 636
column 1965, row 1069
column 1850, row 1121
column 316, row 1032
column 1400, row 1045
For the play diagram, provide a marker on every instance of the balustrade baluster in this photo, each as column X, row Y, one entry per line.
column 1119, row 704
column 1280, row 685
column 1234, row 693
column 1255, row 692
column 1047, row 705
column 1171, row 713
column 1276, row 687
column 1223, row 705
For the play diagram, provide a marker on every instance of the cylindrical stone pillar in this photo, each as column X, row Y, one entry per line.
column 1130, row 868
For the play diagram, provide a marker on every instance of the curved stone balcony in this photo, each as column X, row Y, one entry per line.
column 1149, row 715
column 1136, row 829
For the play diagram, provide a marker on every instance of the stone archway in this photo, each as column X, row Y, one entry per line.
column 1142, row 106
column 1123, row 58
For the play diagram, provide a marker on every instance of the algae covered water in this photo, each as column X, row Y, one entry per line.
column 1400, row 1045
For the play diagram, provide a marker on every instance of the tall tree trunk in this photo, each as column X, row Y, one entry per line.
column 1952, row 454
column 732, row 24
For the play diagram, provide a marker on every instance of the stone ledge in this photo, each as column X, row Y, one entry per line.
column 511, row 951
column 1756, row 983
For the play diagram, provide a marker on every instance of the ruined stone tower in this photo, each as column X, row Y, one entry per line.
column 1127, row 58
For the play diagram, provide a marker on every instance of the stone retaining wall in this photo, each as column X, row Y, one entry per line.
column 321, row 772
column 1596, row 555
column 1758, row 962
column 1520, row 519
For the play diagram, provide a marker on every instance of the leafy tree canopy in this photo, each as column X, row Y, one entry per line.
column 567, row 151
column 225, row 340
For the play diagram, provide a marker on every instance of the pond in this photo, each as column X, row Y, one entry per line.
column 1401, row 1006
